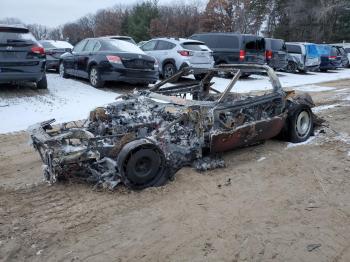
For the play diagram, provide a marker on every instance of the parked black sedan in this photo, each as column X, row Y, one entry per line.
column 103, row 59
column 54, row 50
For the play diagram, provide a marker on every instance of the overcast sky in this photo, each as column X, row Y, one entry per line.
column 56, row 12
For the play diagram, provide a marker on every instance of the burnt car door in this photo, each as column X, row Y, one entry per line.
column 241, row 122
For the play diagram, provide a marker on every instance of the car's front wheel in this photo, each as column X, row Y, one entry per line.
column 300, row 124
column 291, row 67
column 42, row 84
column 62, row 70
column 95, row 78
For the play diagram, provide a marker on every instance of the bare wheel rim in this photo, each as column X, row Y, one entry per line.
column 61, row 69
column 303, row 124
column 169, row 71
column 93, row 76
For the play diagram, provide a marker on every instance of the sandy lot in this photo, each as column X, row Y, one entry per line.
column 273, row 202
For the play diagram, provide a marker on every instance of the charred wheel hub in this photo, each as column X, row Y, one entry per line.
column 141, row 163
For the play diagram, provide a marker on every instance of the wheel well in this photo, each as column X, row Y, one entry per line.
column 168, row 61
column 91, row 65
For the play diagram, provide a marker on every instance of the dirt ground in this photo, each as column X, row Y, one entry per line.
column 273, row 202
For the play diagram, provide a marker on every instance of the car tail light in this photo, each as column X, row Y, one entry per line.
column 268, row 54
column 241, row 55
column 185, row 53
column 114, row 59
column 332, row 57
column 38, row 50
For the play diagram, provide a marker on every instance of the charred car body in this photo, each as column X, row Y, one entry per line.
column 143, row 138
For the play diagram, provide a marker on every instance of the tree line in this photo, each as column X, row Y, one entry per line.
column 298, row 20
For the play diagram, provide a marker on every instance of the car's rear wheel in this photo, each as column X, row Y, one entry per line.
column 300, row 124
column 169, row 70
column 95, row 78
column 291, row 67
column 62, row 70
column 42, row 84
column 142, row 164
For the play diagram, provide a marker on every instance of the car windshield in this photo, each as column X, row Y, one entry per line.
column 324, row 50
column 311, row 50
column 278, row 45
column 16, row 36
column 123, row 46
column 195, row 46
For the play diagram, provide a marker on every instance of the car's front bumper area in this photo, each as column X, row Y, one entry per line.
column 132, row 76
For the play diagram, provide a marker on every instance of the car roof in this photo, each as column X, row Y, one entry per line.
column 14, row 26
column 228, row 33
column 112, row 36
column 178, row 40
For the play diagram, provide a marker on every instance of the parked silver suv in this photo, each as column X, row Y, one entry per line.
column 174, row 54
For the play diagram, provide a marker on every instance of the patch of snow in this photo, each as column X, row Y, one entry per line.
column 307, row 142
column 66, row 100
column 313, row 88
column 261, row 159
column 342, row 90
column 343, row 137
column 302, row 82
column 318, row 109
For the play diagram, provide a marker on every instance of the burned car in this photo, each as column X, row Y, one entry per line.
column 143, row 138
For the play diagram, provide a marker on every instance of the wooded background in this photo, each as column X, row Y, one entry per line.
column 318, row 21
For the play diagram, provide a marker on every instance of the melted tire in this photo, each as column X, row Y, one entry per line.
column 142, row 164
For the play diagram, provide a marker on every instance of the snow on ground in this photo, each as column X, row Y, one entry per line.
column 301, row 82
column 68, row 99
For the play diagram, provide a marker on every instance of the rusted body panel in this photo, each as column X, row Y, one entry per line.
column 246, row 135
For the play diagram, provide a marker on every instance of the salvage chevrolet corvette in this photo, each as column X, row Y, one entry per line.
column 143, row 138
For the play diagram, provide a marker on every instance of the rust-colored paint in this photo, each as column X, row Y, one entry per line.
column 246, row 135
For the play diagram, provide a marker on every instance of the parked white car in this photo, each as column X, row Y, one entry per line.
column 173, row 54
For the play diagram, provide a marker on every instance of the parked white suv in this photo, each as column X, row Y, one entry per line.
column 174, row 54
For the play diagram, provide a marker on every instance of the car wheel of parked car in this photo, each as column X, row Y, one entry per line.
column 169, row 70
column 42, row 84
column 300, row 124
column 323, row 70
column 142, row 164
column 95, row 78
column 62, row 71
column 291, row 67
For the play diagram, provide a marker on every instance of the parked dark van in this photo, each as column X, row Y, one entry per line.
column 343, row 54
column 276, row 53
column 22, row 58
column 233, row 48
column 330, row 60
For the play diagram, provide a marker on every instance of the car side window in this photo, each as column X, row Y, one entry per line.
column 97, row 47
column 89, row 47
column 165, row 45
column 149, row 46
column 80, row 46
